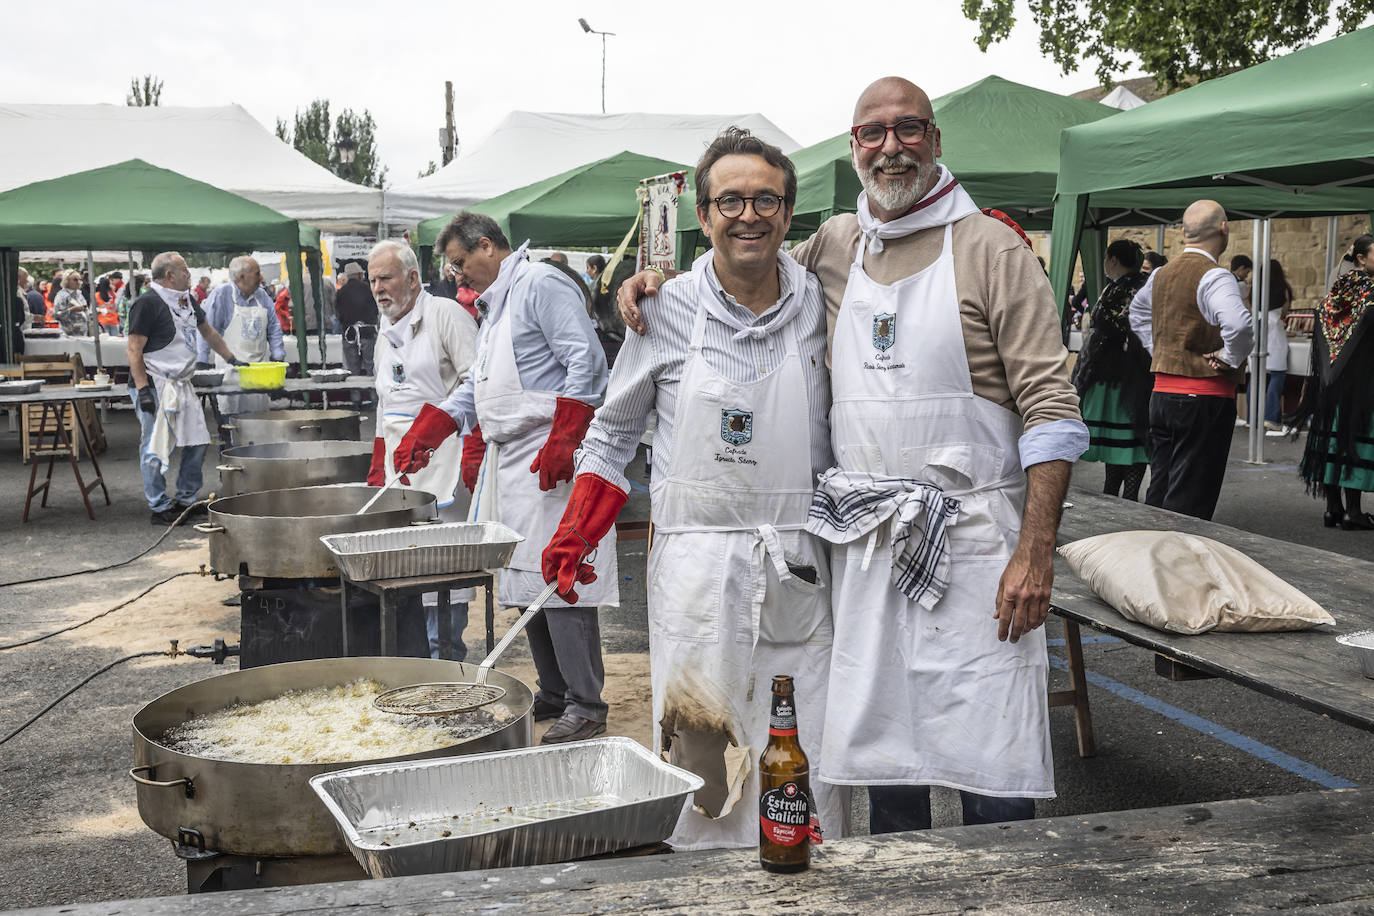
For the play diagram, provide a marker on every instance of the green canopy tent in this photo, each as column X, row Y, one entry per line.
column 136, row 205
column 590, row 205
column 1289, row 137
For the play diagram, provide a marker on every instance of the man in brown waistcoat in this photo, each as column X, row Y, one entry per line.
column 1192, row 319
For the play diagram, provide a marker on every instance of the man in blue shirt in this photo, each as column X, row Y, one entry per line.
column 245, row 317
column 538, row 376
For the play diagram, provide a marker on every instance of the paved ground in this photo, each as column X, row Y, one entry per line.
column 66, row 833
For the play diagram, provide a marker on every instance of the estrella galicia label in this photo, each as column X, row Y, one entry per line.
column 737, row 426
column 785, row 815
column 398, row 373
column 884, row 331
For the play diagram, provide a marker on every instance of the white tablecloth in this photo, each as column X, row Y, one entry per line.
column 112, row 350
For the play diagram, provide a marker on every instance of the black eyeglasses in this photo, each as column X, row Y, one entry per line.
column 909, row 131
column 732, row 205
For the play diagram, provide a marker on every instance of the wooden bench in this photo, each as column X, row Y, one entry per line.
column 1305, row 667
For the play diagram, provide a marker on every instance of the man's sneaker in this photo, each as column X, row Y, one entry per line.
column 572, row 728
column 544, row 711
column 167, row 516
column 197, row 509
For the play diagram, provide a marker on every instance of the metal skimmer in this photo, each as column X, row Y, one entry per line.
column 447, row 699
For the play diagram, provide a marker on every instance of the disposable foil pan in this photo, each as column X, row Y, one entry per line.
column 430, row 550
column 532, row 806
column 1362, row 644
column 26, row 386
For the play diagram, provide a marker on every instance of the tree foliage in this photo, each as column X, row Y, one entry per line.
column 429, row 169
column 1175, row 40
column 145, row 94
column 313, row 135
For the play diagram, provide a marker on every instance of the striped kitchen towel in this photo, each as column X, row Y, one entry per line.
column 849, row 504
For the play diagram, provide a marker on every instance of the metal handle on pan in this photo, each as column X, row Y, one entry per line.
column 308, row 426
column 207, row 528
column 222, row 468
column 154, row 784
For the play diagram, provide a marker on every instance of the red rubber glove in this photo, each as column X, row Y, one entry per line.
column 555, row 460
column 474, row 450
column 591, row 512
column 376, row 474
column 427, row 432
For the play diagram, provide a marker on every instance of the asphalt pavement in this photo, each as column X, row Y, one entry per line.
column 1159, row 742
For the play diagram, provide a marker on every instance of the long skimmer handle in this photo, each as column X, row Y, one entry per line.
column 534, row 608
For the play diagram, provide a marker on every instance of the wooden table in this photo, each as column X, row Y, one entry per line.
column 1313, row 851
column 57, row 400
column 1305, row 667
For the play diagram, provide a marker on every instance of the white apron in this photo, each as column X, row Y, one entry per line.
column 246, row 337
column 407, row 378
column 180, row 418
column 726, row 613
column 929, row 697
column 515, row 424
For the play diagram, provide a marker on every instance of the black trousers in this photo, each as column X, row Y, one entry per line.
column 1190, row 439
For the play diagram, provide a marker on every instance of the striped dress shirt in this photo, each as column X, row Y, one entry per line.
column 648, row 372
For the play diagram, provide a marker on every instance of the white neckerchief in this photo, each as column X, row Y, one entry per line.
column 495, row 295
column 396, row 331
column 173, row 298
column 791, row 304
column 944, row 203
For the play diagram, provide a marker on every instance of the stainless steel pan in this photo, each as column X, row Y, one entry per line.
column 284, row 465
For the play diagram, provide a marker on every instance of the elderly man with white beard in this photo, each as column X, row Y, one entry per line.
column 423, row 353
column 954, row 426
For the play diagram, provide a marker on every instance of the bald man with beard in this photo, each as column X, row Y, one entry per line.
column 954, row 426
column 1191, row 317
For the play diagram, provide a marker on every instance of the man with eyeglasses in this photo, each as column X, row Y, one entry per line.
column 538, row 375
column 954, row 428
column 738, row 590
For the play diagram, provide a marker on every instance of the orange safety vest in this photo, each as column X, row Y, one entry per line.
column 105, row 311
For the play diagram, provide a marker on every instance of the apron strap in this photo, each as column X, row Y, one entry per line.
column 768, row 549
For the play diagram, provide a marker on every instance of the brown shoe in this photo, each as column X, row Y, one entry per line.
column 572, row 728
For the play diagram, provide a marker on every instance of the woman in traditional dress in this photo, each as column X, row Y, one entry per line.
column 1113, row 378
column 1339, row 458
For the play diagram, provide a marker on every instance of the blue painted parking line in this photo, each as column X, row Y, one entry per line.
column 1084, row 639
column 1211, row 729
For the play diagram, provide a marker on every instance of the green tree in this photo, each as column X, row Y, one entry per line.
column 1175, row 40
column 145, row 94
column 429, row 170
column 314, row 136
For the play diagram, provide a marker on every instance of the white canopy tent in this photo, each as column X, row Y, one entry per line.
column 221, row 146
column 529, row 146
column 1122, row 98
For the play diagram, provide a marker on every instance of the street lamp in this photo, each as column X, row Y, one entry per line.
column 591, row 31
column 347, row 148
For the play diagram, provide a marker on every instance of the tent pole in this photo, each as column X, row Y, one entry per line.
column 1159, row 238
column 91, row 311
column 1331, row 226
column 1259, row 323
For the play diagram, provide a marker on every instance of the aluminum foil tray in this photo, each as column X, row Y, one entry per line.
column 532, row 806
column 427, row 550
column 25, row 386
column 1362, row 645
column 328, row 375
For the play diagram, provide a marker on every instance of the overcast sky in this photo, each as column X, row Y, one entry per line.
column 801, row 64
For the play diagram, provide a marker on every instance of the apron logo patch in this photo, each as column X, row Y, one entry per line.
column 736, row 426
column 253, row 325
column 884, row 331
column 398, row 373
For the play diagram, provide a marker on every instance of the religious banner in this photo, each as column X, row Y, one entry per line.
column 658, row 230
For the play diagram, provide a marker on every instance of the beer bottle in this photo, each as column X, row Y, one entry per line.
column 787, row 823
